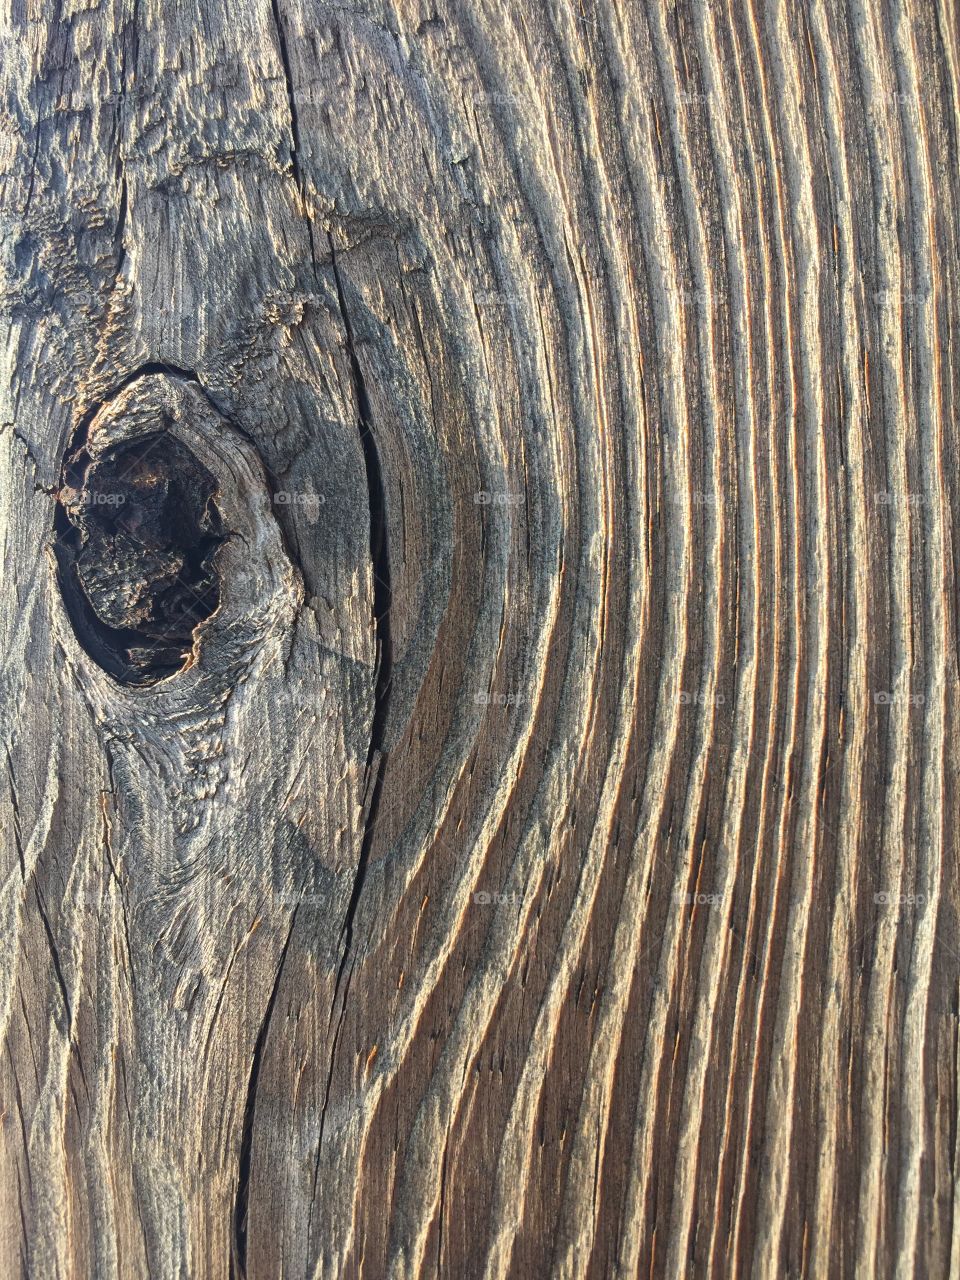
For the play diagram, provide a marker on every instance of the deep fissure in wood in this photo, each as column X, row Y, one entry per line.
column 238, row 1259
column 291, row 101
column 382, row 601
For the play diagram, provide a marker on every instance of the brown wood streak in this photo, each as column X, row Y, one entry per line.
column 546, row 862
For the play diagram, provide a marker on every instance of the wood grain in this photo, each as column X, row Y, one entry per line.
column 545, row 861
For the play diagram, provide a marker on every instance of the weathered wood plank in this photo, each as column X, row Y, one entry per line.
column 545, row 861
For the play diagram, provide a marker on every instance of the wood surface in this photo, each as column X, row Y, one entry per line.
column 542, row 859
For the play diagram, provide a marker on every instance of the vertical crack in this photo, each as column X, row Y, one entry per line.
column 121, row 226
column 291, row 100
column 382, row 600
column 17, row 828
column 443, row 1199
column 55, row 957
column 241, row 1202
column 294, row 123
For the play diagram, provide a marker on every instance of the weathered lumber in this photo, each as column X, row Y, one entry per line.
column 479, row 492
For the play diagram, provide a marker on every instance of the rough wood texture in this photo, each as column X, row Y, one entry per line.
column 545, row 862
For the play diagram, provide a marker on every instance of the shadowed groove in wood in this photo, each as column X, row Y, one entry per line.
column 382, row 604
